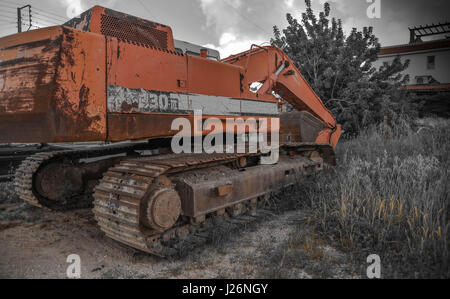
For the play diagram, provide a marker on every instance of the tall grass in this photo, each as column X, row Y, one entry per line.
column 389, row 196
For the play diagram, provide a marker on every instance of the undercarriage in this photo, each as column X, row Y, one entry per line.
column 148, row 198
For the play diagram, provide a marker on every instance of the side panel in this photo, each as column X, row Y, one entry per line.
column 151, row 86
column 213, row 78
column 28, row 64
column 52, row 86
column 199, row 189
column 143, row 100
column 135, row 67
column 80, row 96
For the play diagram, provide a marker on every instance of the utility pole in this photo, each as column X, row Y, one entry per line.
column 19, row 20
column 19, row 17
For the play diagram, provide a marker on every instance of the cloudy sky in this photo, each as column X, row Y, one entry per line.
column 231, row 26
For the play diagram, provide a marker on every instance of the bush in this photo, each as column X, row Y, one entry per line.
column 340, row 69
column 389, row 196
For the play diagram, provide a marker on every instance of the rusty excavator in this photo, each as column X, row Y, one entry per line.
column 108, row 85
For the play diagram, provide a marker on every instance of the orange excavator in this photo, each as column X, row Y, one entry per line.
column 106, row 87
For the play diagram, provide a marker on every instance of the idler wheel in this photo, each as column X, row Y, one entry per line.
column 161, row 209
column 58, row 181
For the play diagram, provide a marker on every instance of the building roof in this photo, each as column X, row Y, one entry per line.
column 418, row 46
column 434, row 87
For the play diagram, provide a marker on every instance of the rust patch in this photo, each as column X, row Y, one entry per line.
column 26, row 79
column 15, row 62
column 124, row 126
column 67, row 47
column 224, row 190
column 128, row 107
column 33, row 44
column 83, row 118
column 53, row 92
column 78, row 111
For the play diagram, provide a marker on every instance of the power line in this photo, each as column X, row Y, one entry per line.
column 50, row 14
column 41, row 24
column 246, row 18
column 45, row 12
column 48, row 17
column 6, row 16
column 6, row 5
column 13, row 3
column 8, row 27
column 9, row 10
column 7, row 23
column 12, row 22
column 10, row 5
column 148, row 10
column 4, row 12
column 7, row 1
column 44, row 20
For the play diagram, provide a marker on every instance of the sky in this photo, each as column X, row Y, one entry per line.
column 231, row 26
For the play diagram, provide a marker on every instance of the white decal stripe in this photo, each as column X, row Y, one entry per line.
column 122, row 99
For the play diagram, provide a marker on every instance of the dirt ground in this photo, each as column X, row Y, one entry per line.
column 35, row 243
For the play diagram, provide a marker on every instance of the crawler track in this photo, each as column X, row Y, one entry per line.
column 23, row 178
column 117, row 199
column 25, row 181
column 119, row 196
column 26, row 175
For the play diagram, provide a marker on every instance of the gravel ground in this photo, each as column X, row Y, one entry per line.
column 35, row 243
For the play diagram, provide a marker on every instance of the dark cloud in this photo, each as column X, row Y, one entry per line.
column 232, row 24
column 396, row 16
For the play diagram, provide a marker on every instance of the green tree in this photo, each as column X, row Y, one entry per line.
column 339, row 68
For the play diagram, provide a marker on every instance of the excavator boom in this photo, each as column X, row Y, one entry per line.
column 277, row 73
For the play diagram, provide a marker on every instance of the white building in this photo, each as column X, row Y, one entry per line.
column 429, row 66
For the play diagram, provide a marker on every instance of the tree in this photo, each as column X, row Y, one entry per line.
column 339, row 67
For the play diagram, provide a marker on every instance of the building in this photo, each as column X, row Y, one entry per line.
column 429, row 68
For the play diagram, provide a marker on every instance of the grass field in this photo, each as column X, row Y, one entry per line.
column 389, row 196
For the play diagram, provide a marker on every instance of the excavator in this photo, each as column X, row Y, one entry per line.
column 107, row 86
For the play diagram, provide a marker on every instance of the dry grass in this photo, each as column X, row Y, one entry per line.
column 389, row 196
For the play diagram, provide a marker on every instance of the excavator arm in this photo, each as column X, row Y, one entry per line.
column 277, row 73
